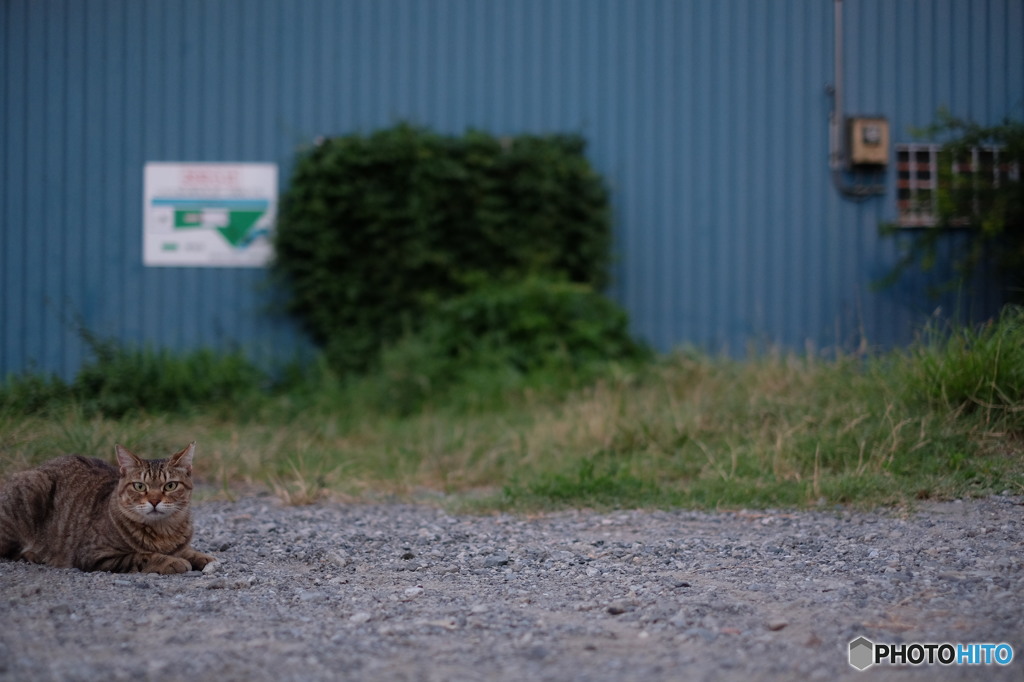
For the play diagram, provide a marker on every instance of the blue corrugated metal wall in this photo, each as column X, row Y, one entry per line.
column 709, row 118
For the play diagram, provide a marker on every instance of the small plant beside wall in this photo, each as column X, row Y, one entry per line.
column 979, row 196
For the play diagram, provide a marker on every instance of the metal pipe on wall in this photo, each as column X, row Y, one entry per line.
column 835, row 122
column 837, row 119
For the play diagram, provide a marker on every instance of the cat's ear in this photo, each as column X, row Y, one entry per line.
column 126, row 459
column 184, row 458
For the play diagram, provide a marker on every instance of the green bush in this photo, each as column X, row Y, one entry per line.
column 30, row 393
column 499, row 336
column 149, row 380
column 120, row 381
column 375, row 231
column 469, row 353
column 534, row 324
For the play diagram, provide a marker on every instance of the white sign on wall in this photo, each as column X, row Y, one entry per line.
column 208, row 214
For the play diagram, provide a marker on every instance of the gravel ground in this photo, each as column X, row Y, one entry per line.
column 402, row 592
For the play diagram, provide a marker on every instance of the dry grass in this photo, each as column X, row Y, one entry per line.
column 689, row 430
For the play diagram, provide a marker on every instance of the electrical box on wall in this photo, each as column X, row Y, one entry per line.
column 868, row 141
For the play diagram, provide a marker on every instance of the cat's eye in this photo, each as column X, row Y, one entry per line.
column 141, row 487
column 170, row 485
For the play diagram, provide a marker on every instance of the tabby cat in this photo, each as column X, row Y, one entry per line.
column 83, row 513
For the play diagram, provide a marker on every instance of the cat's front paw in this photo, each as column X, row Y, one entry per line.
column 199, row 560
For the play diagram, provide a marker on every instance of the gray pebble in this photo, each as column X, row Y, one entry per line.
column 496, row 559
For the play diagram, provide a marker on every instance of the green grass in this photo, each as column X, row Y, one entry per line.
column 942, row 419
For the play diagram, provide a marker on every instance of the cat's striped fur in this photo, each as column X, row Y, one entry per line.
column 83, row 513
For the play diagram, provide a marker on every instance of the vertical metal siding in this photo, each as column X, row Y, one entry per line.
column 707, row 117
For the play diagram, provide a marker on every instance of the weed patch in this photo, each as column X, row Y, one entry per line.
column 939, row 420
